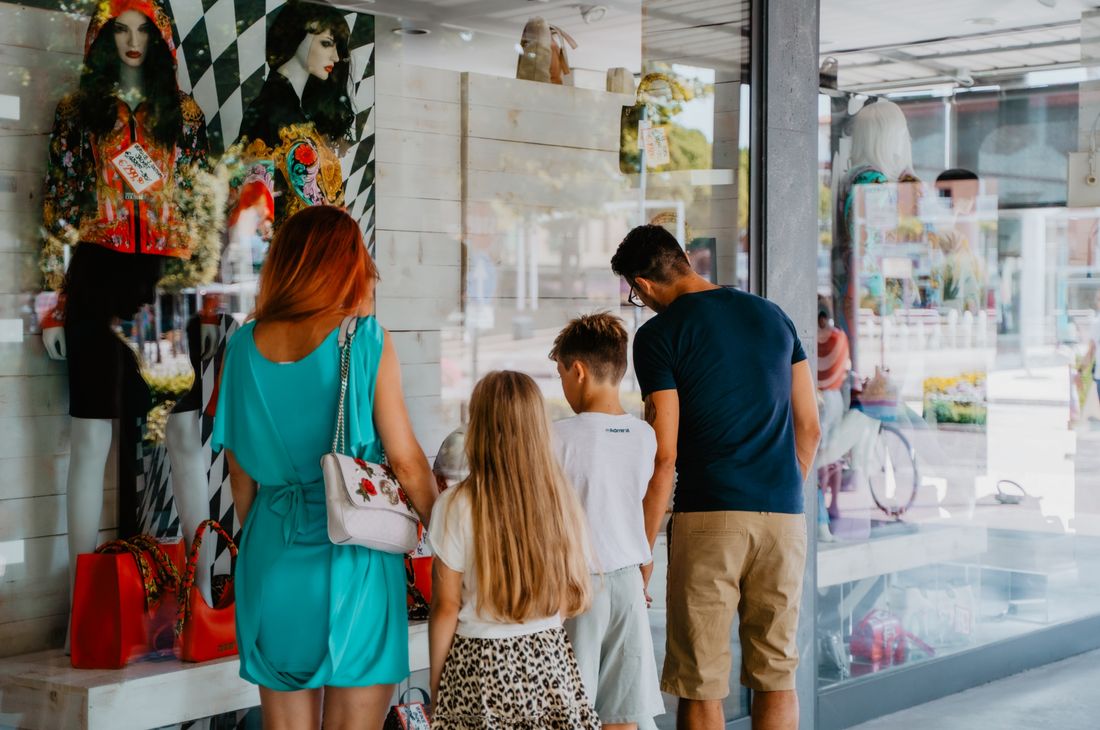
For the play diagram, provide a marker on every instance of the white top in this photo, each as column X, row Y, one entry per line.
column 609, row 461
column 452, row 540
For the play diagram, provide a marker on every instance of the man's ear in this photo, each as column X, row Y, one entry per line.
column 645, row 286
column 579, row 370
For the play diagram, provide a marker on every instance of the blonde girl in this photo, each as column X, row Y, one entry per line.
column 510, row 563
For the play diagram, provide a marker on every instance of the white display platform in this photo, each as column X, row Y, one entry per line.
column 843, row 562
column 43, row 692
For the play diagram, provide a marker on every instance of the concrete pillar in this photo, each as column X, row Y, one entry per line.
column 785, row 226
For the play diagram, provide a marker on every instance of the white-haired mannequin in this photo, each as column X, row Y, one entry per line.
column 881, row 152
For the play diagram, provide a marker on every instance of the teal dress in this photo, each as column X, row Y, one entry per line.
column 309, row 613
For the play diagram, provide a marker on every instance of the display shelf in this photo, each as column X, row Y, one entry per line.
column 42, row 691
column 843, row 562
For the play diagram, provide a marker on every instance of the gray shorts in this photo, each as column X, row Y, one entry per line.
column 614, row 650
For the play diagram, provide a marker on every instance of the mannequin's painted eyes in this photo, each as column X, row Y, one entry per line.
column 326, row 43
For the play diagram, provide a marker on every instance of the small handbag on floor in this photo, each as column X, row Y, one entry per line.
column 406, row 715
column 206, row 632
column 365, row 504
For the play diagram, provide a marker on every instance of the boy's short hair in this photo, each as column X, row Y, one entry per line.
column 598, row 340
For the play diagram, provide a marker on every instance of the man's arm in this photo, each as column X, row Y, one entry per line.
column 662, row 412
column 807, row 428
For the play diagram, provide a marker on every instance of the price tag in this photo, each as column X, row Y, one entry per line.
column 655, row 143
column 137, row 168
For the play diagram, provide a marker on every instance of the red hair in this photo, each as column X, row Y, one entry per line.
column 317, row 265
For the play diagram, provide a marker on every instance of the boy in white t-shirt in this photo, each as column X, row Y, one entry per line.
column 607, row 454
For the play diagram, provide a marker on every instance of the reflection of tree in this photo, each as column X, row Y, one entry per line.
column 660, row 99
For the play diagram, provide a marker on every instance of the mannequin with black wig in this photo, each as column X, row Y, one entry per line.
column 295, row 129
column 99, row 81
column 122, row 233
column 324, row 102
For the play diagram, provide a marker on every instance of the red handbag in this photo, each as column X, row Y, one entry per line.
column 206, row 632
column 418, row 579
column 124, row 601
column 880, row 641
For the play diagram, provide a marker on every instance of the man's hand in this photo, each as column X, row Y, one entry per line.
column 647, row 573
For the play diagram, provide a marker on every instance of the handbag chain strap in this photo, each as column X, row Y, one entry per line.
column 347, row 331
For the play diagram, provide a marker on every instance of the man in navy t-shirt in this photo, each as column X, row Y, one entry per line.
column 732, row 398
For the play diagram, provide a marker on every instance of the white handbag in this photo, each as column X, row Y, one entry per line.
column 366, row 506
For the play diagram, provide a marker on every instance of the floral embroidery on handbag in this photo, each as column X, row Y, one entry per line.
column 367, row 489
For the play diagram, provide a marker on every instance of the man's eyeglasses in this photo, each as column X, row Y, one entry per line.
column 632, row 297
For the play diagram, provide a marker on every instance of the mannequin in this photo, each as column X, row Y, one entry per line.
column 882, row 152
column 292, row 130
column 123, row 229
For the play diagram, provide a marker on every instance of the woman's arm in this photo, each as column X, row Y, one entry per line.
column 242, row 485
column 403, row 451
column 443, row 621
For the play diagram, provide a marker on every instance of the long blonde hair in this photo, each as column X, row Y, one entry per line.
column 528, row 525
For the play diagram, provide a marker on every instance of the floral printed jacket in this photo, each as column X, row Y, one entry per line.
column 86, row 198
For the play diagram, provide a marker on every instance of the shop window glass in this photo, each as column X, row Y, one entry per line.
column 529, row 187
column 958, row 495
column 491, row 188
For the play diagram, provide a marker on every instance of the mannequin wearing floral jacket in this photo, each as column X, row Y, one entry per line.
column 123, row 151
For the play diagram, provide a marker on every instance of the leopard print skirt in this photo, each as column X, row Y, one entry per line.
column 526, row 682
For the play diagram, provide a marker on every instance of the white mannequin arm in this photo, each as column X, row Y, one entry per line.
column 209, row 336
column 54, row 340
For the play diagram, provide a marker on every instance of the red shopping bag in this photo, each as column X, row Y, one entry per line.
column 124, row 600
column 206, row 632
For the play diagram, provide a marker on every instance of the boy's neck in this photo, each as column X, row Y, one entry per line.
column 602, row 399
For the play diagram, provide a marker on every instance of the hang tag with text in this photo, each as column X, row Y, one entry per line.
column 655, row 142
column 137, row 168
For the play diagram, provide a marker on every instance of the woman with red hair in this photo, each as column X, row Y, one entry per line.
column 322, row 628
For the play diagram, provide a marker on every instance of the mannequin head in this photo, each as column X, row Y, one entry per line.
column 135, row 33
column 315, row 38
column 880, row 139
column 132, row 31
column 317, row 54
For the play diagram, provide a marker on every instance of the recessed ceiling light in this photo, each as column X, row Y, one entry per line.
column 982, row 21
column 411, row 31
column 593, row 13
column 466, row 35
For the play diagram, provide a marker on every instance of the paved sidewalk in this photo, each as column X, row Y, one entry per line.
column 1060, row 696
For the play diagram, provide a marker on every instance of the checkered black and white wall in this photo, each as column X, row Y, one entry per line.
column 222, row 64
column 221, row 59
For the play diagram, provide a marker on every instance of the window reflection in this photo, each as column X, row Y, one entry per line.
column 956, row 486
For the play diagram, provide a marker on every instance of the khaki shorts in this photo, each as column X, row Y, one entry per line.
column 719, row 564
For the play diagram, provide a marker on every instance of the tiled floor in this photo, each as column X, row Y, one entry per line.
column 1061, row 696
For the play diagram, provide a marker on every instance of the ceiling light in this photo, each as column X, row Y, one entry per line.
column 411, row 31
column 592, row 13
column 466, row 35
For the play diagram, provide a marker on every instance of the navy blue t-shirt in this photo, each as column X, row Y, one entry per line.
column 728, row 354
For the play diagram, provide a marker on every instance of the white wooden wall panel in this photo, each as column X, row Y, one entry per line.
column 32, row 476
column 39, row 61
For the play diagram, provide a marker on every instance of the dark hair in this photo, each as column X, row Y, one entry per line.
column 327, row 103
column 99, row 83
column 598, row 340
column 955, row 174
column 650, row 252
